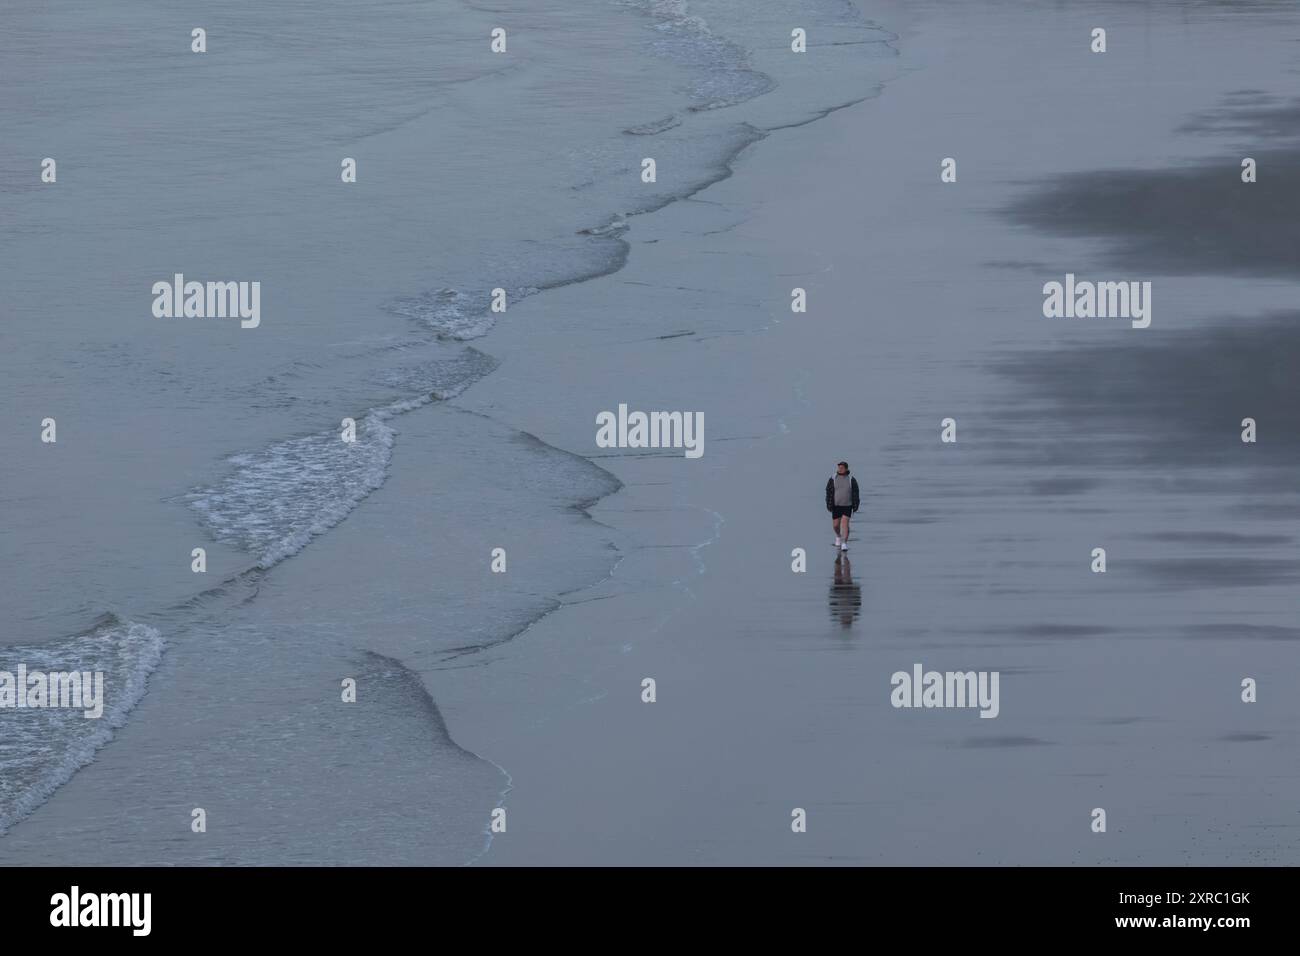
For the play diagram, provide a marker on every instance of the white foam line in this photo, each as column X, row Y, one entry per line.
column 100, row 731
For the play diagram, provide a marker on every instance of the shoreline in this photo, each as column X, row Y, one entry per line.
column 387, row 416
column 767, row 701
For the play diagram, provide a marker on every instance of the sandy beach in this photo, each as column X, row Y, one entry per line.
column 772, row 686
column 771, row 654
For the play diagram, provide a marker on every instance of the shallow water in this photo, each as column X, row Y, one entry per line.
column 476, row 171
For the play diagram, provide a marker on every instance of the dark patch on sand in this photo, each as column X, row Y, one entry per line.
column 1163, row 402
column 1272, row 510
column 1250, row 115
column 1225, row 538
column 1201, row 220
column 1218, row 572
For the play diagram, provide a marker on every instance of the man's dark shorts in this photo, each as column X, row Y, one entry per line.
column 841, row 511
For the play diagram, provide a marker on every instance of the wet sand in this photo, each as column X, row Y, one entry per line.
column 1118, row 691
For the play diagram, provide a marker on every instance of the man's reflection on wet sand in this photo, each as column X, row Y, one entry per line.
column 845, row 596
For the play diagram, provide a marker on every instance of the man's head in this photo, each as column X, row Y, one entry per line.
column 842, row 468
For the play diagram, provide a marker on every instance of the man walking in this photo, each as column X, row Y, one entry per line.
column 841, row 501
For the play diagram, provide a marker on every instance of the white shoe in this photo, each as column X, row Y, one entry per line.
column 837, row 542
column 844, row 546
